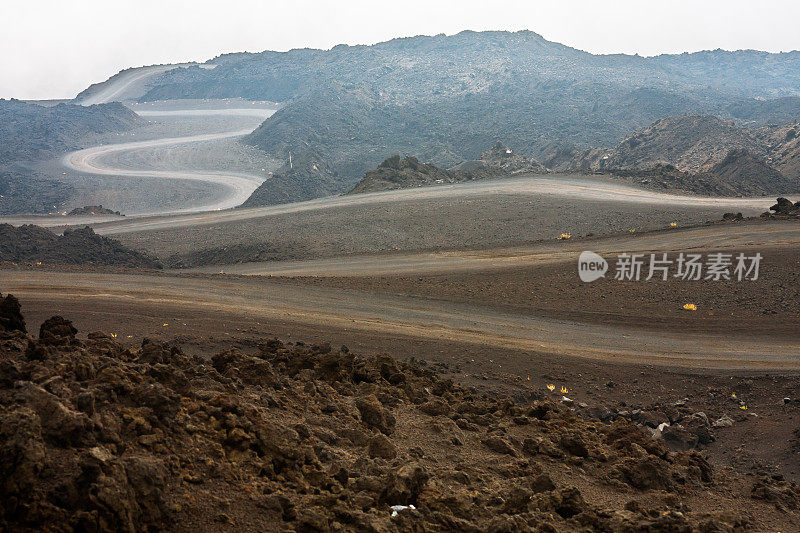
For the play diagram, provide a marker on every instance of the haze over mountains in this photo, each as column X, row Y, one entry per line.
column 446, row 99
column 730, row 123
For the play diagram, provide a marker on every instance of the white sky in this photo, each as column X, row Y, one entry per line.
column 55, row 48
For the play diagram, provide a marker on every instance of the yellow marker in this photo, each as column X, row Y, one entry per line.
column 565, row 236
column 743, row 407
column 113, row 335
column 165, row 324
column 673, row 224
column 733, row 394
column 690, row 307
column 529, row 378
column 564, row 390
column 551, row 388
column 633, row 231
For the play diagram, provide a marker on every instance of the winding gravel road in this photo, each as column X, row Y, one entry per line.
column 238, row 186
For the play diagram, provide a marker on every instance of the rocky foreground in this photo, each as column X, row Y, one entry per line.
column 95, row 436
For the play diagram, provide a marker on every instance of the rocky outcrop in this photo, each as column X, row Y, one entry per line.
column 697, row 153
column 82, row 246
column 784, row 209
column 11, row 318
column 402, row 173
column 690, row 143
column 397, row 173
column 92, row 211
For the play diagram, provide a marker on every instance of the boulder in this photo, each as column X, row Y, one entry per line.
column 11, row 318
column 381, row 446
column 374, row 415
column 783, row 206
column 499, row 445
column 57, row 331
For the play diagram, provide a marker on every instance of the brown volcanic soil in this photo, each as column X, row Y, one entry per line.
column 99, row 437
column 768, row 306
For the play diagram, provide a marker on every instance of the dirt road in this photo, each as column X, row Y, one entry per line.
column 396, row 315
column 238, row 186
column 715, row 237
column 561, row 186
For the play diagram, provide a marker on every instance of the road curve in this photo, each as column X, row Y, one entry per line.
column 415, row 317
column 113, row 89
column 238, row 186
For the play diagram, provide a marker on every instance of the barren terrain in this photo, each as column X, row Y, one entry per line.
column 469, row 278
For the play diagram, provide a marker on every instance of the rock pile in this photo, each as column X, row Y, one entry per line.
column 783, row 209
column 98, row 437
column 79, row 246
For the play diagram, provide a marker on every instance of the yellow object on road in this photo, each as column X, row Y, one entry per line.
column 690, row 307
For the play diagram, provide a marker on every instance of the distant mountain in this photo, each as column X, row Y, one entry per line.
column 445, row 98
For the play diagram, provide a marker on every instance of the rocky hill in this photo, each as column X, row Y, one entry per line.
column 96, row 436
column 29, row 132
column 697, row 153
column 36, row 245
column 783, row 147
column 24, row 192
column 396, row 173
column 691, row 143
column 306, row 175
column 445, row 98
column 498, row 161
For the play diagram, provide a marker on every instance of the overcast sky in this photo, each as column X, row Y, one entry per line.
column 55, row 48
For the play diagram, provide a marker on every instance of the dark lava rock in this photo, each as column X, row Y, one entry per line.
column 11, row 318
column 57, row 331
column 783, row 206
